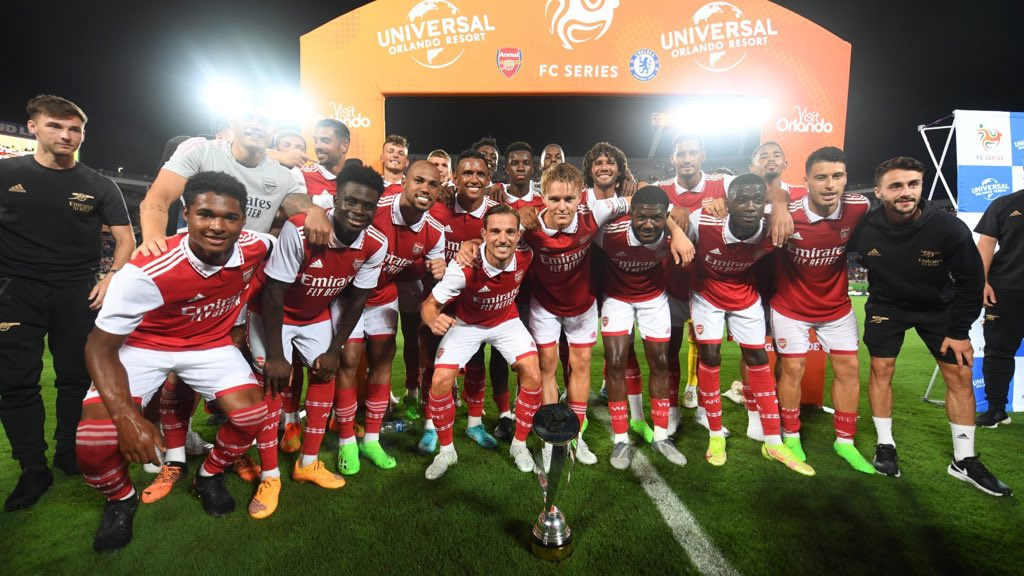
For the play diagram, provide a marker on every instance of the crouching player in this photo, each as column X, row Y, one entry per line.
column 722, row 291
column 173, row 312
column 485, row 313
column 294, row 312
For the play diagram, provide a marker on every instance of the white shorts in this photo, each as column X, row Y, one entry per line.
column 580, row 330
column 746, row 326
column 680, row 310
column 377, row 322
column 652, row 317
column 462, row 341
column 212, row 373
column 337, row 307
column 840, row 336
column 410, row 296
column 311, row 340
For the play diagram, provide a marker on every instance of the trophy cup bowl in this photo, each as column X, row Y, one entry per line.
column 551, row 538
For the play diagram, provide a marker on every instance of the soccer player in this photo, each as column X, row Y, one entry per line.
column 286, row 140
column 1004, row 299
column 722, row 292
column 53, row 209
column 551, row 156
column 636, row 248
column 812, row 286
column 331, row 140
column 923, row 272
column 413, row 237
column 302, row 282
column 394, row 159
column 443, row 162
column 769, row 162
column 173, row 312
column 489, row 148
column 485, row 312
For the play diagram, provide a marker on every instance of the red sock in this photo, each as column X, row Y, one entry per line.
column 619, row 412
column 845, row 424
column 473, row 389
column 674, row 375
column 790, row 420
column 292, row 393
column 634, row 383
column 709, row 384
column 442, row 413
column 319, row 397
column 235, row 436
column 377, row 398
column 580, row 410
column 345, row 411
column 748, row 395
column 762, row 384
column 266, row 437
column 503, row 403
column 100, row 460
column 175, row 411
column 659, row 412
column 527, row 405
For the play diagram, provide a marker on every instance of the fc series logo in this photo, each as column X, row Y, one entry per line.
column 579, row 21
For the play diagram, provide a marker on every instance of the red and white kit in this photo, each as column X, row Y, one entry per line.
column 562, row 298
column 812, row 283
column 459, row 225
column 320, row 185
column 634, row 283
column 485, row 311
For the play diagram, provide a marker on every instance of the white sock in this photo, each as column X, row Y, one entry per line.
column 273, row 473
column 291, row 418
column 448, row 448
column 620, row 438
column 636, row 406
column 506, row 414
column 717, row 433
column 701, row 415
column 349, row 440
column 130, row 494
column 517, row 442
column 790, row 434
column 368, row 437
column 474, row 421
column 428, row 424
column 175, row 455
column 844, row 441
column 883, row 428
column 673, row 413
column 963, row 441
column 307, row 459
column 660, row 434
column 773, row 439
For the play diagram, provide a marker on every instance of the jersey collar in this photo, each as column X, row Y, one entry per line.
column 206, row 270
column 632, row 240
column 730, row 238
column 493, row 271
column 337, row 243
column 570, row 229
column 398, row 220
column 478, row 213
column 698, row 189
column 813, row 217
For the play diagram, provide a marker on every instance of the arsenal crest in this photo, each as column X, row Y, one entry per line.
column 440, row 351
column 782, row 342
column 698, row 328
column 844, row 233
column 509, row 61
column 519, row 276
column 247, row 274
column 417, row 249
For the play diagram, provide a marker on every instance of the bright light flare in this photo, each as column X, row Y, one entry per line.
column 286, row 107
column 716, row 116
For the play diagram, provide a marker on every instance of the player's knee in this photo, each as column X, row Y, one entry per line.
column 755, row 356
column 248, row 418
column 710, row 356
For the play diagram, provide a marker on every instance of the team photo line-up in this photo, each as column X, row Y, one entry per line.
column 257, row 264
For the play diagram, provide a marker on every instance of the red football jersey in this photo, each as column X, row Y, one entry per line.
column 459, row 225
column 320, row 185
column 710, row 187
column 484, row 295
column 561, row 269
column 532, row 198
column 810, row 270
column 407, row 244
column 176, row 302
column 722, row 272
column 317, row 274
column 635, row 272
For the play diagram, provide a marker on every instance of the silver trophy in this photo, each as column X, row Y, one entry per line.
column 557, row 425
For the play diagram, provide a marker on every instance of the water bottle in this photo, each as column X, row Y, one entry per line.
column 400, row 425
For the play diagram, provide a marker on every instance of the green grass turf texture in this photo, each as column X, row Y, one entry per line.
column 764, row 518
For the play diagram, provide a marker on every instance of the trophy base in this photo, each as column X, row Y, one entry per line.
column 552, row 552
column 551, row 538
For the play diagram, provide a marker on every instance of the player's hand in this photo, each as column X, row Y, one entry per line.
column 496, row 192
column 715, row 207
column 681, row 216
column 276, row 373
column 466, row 256
column 436, row 267
column 962, row 351
column 441, row 324
column 682, row 250
column 317, row 228
column 529, row 217
column 780, row 226
column 138, row 439
column 292, row 158
column 99, row 291
column 154, row 246
column 326, row 366
column 627, row 187
column 990, row 296
column 446, row 196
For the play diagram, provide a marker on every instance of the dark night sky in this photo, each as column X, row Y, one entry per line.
column 137, row 71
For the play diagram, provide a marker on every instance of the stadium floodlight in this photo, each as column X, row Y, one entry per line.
column 222, row 96
column 720, row 115
column 288, row 108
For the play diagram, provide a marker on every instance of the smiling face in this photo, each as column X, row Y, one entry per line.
column 354, row 208
column 394, row 158
column 421, row 187
column 825, row 184
column 900, row 193
column 491, row 154
column 687, row 158
column 648, row 222
column 604, row 172
column 252, row 130
column 471, row 177
column 501, row 235
column 562, row 200
column 214, row 224
column 330, row 150
column 291, row 141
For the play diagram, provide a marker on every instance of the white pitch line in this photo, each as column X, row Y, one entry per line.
column 688, row 533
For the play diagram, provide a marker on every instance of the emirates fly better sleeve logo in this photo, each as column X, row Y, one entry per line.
column 579, row 21
column 435, row 34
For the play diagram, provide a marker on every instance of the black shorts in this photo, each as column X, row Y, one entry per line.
column 885, row 326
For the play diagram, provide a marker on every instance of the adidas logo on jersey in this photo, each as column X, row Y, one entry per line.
column 197, row 297
column 796, row 236
column 448, row 229
column 874, row 252
column 317, row 264
column 17, row 188
column 621, row 253
column 1012, row 214
column 484, row 289
column 716, row 251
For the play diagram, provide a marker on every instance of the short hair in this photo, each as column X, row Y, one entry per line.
column 485, row 141
column 745, row 180
column 352, row 162
column 544, row 152
column 723, row 170
column 286, row 133
column 563, row 172
column 397, row 140
column 339, row 128
column 498, row 210
column 651, row 196
column 518, row 147
column 361, row 175
column 439, row 154
column 753, row 155
column 471, row 153
column 613, row 152
column 54, row 106
column 220, row 183
column 898, row 163
column 685, row 136
column 826, row 154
